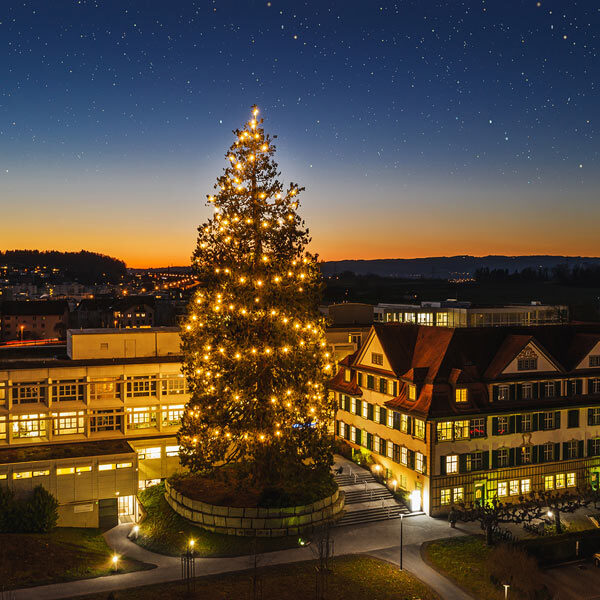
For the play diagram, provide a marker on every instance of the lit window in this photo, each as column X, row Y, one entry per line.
column 527, row 364
column 560, row 481
column 503, row 457
column 390, row 418
column 526, row 455
column 84, row 469
column 458, row 494
column 525, row 486
column 42, row 473
column 526, row 423
column 452, row 463
column 477, row 427
column 549, row 482
column 514, row 487
column 404, row 455
column 22, row 475
column 145, row 453
column 365, row 410
column 390, row 450
column 124, row 465
column 595, row 360
column 570, row 479
column 502, row 489
column 412, row 392
column 445, row 497
column 503, row 392
column 106, row 467
column 404, row 423
column 419, row 431
column 353, row 405
column 419, row 463
column 347, row 375
column 444, row 431
column 172, row 450
column 460, row 395
column 461, row 430
column 65, row 470
column 2, row 475
column 503, row 425
column 527, row 391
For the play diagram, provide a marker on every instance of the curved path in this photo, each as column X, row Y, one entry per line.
column 377, row 539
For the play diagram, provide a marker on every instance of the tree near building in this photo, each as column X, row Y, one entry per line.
column 254, row 348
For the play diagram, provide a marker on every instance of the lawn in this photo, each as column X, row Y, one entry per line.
column 68, row 553
column 351, row 578
column 165, row 532
column 463, row 560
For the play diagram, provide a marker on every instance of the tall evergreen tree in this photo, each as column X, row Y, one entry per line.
column 254, row 347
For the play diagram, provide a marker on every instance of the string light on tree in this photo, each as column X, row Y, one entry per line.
column 254, row 348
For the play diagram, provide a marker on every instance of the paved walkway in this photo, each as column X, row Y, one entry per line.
column 377, row 539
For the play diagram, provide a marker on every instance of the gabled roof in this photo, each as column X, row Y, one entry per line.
column 339, row 384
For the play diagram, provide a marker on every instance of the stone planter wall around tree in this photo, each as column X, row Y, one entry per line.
column 263, row 522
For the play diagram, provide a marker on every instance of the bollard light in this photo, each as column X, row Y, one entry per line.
column 115, row 561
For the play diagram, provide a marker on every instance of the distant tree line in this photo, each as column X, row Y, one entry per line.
column 580, row 275
column 83, row 266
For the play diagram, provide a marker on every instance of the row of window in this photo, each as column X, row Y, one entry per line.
column 512, row 487
column 66, row 423
column 100, row 389
column 543, row 389
column 156, row 452
column 400, row 454
column 512, row 457
column 465, row 429
column 67, row 470
column 383, row 416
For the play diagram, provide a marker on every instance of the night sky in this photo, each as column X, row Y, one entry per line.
column 418, row 128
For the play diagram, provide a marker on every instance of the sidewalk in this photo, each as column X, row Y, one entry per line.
column 377, row 539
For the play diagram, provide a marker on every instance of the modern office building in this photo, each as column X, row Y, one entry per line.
column 95, row 423
column 452, row 313
column 455, row 414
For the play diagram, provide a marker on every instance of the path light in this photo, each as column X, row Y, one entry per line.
column 191, row 544
column 506, row 586
column 394, row 482
column 415, row 501
column 550, row 513
column 115, row 562
column 136, row 531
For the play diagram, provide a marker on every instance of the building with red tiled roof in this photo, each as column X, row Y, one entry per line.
column 474, row 413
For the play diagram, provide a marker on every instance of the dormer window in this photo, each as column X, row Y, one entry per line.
column 412, row 392
column 460, row 395
column 377, row 358
column 595, row 360
column 527, row 364
column 347, row 375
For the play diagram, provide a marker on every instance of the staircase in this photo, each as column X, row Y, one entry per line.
column 369, row 515
column 362, row 476
column 368, row 495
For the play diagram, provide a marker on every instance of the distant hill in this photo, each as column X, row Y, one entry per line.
column 83, row 266
column 448, row 267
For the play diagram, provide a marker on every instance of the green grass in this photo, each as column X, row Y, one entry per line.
column 65, row 554
column 463, row 560
column 165, row 532
column 351, row 578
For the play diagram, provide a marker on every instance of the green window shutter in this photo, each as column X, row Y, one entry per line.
column 370, row 410
column 580, row 449
column 512, row 424
column 395, row 388
column 337, row 427
column 462, row 463
column 371, row 382
column 383, row 447
column 383, row 416
column 494, row 459
column 556, row 455
column 535, row 455
column 494, row 425
column 535, row 390
column 590, row 416
column 519, row 424
column 424, row 465
column 485, row 460
column 409, row 425
column 519, row 392
column 535, row 422
column 348, row 403
column 573, row 418
column 495, row 393
column 511, row 457
column 512, row 391
column 369, row 441
column 579, row 387
column 360, row 379
column 557, row 419
column 357, row 436
column 590, row 448
column 442, row 465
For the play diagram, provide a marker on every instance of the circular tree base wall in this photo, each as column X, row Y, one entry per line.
column 262, row 522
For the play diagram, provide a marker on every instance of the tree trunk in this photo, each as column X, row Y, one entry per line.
column 557, row 521
column 489, row 534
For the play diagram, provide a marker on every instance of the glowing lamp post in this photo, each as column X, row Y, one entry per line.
column 505, row 586
column 115, row 562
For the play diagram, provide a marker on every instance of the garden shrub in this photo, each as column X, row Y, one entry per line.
column 38, row 513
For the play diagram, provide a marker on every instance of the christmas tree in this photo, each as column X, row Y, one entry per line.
column 254, row 347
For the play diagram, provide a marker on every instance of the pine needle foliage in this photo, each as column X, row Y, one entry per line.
column 254, row 347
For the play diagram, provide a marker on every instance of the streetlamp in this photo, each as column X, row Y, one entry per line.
column 401, row 539
column 115, row 562
column 506, row 586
